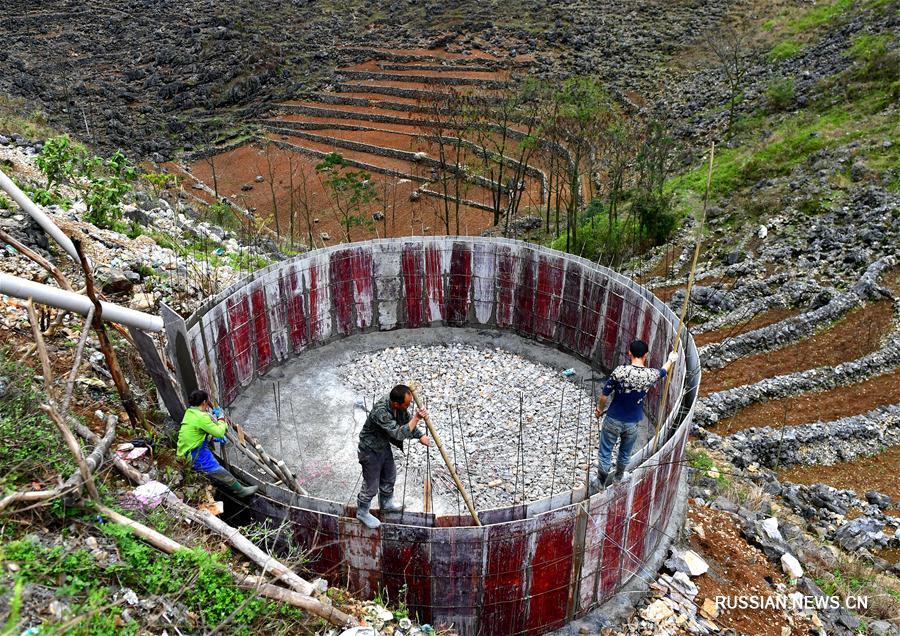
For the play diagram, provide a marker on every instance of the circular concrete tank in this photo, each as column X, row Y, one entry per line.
column 532, row 566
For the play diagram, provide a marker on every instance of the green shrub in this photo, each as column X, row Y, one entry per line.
column 784, row 50
column 876, row 60
column 780, row 94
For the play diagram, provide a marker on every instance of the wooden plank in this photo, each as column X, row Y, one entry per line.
column 459, row 283
column 434, row 281
column 262, row 348
column 363, row 277
column 503, row 604
column 340, row 278
column 483, row 287
column 548, row 294
column 413, row 285
column 551, row 571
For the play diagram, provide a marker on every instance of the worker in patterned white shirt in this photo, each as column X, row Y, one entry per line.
column 628, row 384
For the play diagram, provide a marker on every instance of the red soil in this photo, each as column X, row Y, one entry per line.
column 762, row 319
column 404, row 217
column 856, row 335
column 736, row 569
column 853, row 399
column 878, row 472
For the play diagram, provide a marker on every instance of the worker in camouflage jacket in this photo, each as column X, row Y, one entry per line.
column 389, row 422
column 200, row 426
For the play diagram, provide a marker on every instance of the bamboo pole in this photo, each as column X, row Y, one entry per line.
column 437, row 440
column 687, row 298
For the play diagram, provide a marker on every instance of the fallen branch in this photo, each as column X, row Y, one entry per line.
column 329, row 613
column 73, row 483
column 77, row 363
column 112, row 362
column 61, row 280
column 237, row 540
column 258, row 584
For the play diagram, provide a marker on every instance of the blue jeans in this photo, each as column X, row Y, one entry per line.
column 612, row 430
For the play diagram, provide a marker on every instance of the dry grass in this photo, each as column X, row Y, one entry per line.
column 852, row 576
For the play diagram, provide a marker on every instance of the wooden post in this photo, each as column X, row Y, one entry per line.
column 661, row 414
column 440, row 445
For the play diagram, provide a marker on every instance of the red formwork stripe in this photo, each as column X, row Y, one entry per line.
column 292, row 296
column 503, row 602
column 506, row 286
column 241, row 336
column 225, row 360
column 610, row 347
column 628, row 322
column 261, row 345
column 661, row 468
column 570, row 309
column 639, row 524
column 434, row 282
column 614, row 534
column 646, row 332
column 671, row 484
column 459, row 284
column 523, row 312
column 320, row 536
column 363, row 290
column 659, row 351
column 340, row 276
column 551, row 571
column 200, row 365
column 548, row 295
column 362, row 556
column 413, row 287
column 589, row 321
column 457, row 564
column 405, row 551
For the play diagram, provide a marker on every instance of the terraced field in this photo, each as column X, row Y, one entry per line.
column 803, row 379
column 384, row 115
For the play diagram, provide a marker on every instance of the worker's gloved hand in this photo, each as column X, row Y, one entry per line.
column 218, row 412
column 673, row 358
column 221, row 440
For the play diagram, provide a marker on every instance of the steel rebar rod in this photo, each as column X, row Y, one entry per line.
column 437, row 441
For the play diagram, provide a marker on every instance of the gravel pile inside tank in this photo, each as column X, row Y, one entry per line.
column 474, row 397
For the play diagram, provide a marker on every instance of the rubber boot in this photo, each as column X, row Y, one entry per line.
column 226, row 481
column 363, row 514
column 598, row 483
column 387, row 504
column 240, row 490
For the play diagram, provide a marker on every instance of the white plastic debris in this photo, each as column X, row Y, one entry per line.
column 150, row 494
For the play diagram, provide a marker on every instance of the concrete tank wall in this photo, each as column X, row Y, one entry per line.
column 531, row 567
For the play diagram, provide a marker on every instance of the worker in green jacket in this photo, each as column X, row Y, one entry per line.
column 202, row 424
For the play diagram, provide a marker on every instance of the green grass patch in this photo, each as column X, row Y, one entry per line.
column 705, row 465
column 820, row 14
column 196, row 579
column 784, row 50
column 30, row 446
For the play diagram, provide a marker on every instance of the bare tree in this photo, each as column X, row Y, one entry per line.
column 731, row 47
column 270, row 173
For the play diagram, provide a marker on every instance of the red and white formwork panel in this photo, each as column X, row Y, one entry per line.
column 529, row 568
